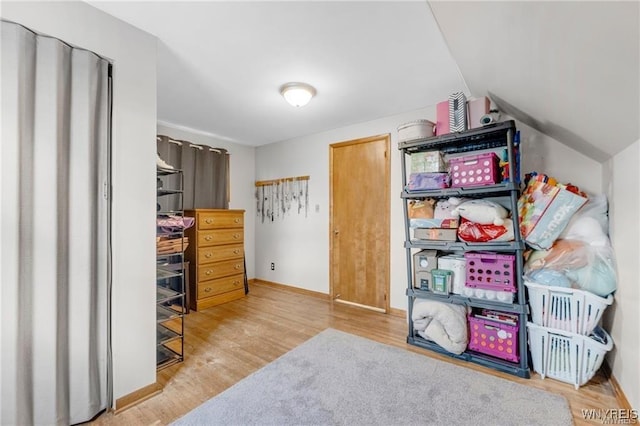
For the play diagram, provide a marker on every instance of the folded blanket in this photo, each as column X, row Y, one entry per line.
column 443, row 323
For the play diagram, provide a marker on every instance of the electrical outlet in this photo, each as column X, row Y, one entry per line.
column 273, row 266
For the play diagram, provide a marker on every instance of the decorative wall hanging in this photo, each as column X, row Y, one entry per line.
column 276, row 197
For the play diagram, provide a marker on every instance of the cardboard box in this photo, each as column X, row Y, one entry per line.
column 425, row 260
column 447, row 223
column 438, row 234
column 422, row 280
column 423, row 263
column 428, row 162
column 421, row 209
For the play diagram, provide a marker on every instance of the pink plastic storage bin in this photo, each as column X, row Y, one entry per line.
column 494, row 338
column 474, row 170
column 491, row 271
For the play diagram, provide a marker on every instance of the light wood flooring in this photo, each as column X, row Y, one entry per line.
column 226, row 343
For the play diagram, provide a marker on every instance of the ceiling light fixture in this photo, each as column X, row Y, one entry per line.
column 297, row 94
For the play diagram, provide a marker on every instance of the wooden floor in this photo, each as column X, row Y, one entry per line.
column 226, row 343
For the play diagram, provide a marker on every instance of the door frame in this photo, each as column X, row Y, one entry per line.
column 387, row 217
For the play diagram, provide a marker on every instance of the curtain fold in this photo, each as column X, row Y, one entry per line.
column 54, row 258
column 205, row 171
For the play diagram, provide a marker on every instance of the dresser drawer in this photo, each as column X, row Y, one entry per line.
column 216, row 253
column 220, row 236
column 220, row 269
column 220, row 285
column 220, row 219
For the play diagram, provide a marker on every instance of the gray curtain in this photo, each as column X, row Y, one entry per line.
column 54, row 219
column 205, row 171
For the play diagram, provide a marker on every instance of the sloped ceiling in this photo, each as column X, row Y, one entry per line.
column 220, row 64
column 568, row 69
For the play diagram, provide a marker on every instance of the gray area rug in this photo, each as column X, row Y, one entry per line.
column 336, row 378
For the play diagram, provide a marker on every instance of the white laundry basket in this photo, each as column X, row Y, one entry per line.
column 566, row 309
column 562, row 355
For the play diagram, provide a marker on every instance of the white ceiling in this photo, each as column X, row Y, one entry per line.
column 220, row 64
column 568, row 69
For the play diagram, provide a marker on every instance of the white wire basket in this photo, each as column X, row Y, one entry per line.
column 566, row 309
column 565, row 356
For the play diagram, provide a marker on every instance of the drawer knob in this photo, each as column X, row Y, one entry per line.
column 207, row 290
column 208, row 238
column 236, row 251
column 237, row 266
column 237, row 220
column 209, row 272
column 208, row 255
column 236, row 282
column 236, row 236
column 209, row 221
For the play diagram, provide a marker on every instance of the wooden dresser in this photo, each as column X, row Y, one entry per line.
column 216, row 257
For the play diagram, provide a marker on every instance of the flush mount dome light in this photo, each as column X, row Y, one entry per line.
column 297, row 94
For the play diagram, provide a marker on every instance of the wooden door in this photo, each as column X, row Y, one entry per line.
column 359, row 222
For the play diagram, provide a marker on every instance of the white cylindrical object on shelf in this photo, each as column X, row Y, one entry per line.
column 490, row 294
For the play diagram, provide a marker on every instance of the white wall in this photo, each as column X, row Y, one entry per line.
column 242, row 165
column 545, row 154
column 133, row 53
column 622, row 319
column 299, row 246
